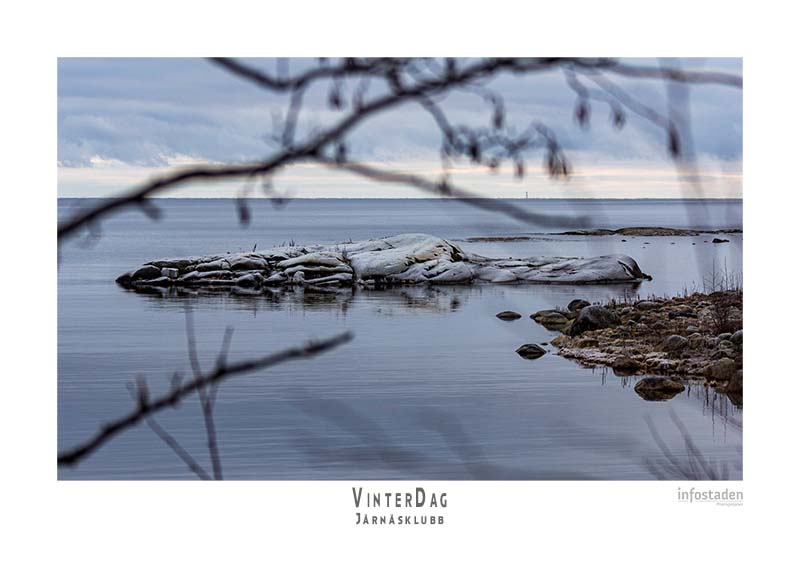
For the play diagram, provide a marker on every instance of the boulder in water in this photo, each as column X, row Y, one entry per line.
column 531, row 351
column 625, row 365
column 658, row 388
column 508, row 316
column 577, row 305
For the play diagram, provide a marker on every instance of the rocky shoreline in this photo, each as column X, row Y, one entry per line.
column 692, row 339
column 644, row 231
column 648, row 231
column 401, row 259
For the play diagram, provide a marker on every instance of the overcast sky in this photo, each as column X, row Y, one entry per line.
column 121, row 121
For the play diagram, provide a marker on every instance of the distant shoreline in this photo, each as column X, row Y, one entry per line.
column 646, row 231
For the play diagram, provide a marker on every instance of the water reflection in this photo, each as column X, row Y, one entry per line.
column 428, row 298
column 352, row 438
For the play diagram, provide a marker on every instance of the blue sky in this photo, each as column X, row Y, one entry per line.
column 121, row 121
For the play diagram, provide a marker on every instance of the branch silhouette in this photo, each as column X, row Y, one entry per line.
column 417, row 80
column 446, row 189
column 222, row 371
column 423, row 82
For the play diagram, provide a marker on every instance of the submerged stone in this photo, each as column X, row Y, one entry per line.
column 658, row 388
column 509, row 316
column 625, row 365
column 531, row 351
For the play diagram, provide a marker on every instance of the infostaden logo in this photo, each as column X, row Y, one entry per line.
column 724, row 497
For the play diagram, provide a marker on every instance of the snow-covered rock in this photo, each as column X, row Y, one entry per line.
column 401, row 259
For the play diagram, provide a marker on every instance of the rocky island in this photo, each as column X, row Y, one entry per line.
column 400, row 259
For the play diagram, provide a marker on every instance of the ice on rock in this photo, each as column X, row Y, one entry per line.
column 401, row 259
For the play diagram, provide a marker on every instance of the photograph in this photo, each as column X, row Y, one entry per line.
column 400, row 269
column 421, row 286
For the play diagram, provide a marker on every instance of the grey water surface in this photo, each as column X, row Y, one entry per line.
column 430, row 388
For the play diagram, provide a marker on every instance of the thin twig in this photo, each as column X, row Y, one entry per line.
column 173, row 444
column 148, row 407
column 447, row 189
column 449, row 77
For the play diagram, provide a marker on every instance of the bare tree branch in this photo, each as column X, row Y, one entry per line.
column 446, row 189
column 406, row 82
column 147, row 407
column 173, row 444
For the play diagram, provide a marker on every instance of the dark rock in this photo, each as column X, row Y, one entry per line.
column 531, row 351
column 552, row 319
column 593, row 318
column 735, row 383
column 737, row 337
column 146, row 272
column 697, row 341
column 215, row 275
column 674, row 343
column 577, row 304
column 624, row 365
column 721, row 370
column 161, row 281
column 682, row 311
column 719, row 240
column 726, row 345
column 542, row 313
column 647, row 305
column 719, row 354
column 124, row 279
column 658, row 388
column 724, row 337
column 249, row 281
column 508, row 316
column 179, row 263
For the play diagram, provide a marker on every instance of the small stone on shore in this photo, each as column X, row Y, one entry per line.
column 721, row 370
column 593, row 318
column 674, row 343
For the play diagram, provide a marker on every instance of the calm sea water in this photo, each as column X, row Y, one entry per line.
column 430, row 388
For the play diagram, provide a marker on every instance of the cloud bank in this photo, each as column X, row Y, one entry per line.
column 122, row 120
